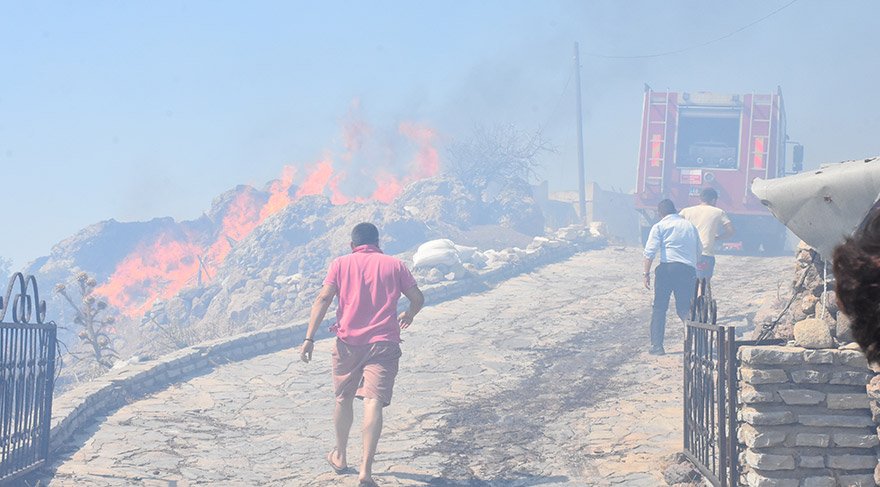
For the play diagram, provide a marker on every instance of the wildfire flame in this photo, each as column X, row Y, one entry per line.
column 157, row 270
column 166, row 264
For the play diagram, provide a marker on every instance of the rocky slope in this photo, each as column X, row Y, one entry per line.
column 238, row 266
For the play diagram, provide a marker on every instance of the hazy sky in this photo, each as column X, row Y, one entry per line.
column 132, row 110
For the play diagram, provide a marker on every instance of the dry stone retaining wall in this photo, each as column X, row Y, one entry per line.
column 806, row 417
column 82, row 405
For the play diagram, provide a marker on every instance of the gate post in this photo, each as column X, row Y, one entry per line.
column 710, row 393
column 50, row 387
column 27, row 373
column 730, row 370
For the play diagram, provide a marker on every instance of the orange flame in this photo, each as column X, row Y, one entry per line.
column 151, row 272
column 242, row 216
column 427, row 160
column 279, row 193
column 165, row 265
column 388, row 187
column 317, row 179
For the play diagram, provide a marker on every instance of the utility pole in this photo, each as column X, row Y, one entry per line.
column 580, row 136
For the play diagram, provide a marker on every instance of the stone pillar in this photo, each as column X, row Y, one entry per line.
column 805, row 417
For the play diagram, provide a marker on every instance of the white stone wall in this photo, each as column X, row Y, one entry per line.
column 806, row 417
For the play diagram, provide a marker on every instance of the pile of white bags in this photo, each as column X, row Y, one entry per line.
column 445, row 253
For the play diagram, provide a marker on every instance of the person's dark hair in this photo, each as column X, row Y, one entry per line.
column 364, row 234
column 666, row 207
column 709, row 195
column 857, row 275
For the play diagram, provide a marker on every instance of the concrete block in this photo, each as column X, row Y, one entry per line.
column 760, row 438
column 764, row 376
column 848, row 401
column 819, row 356
column 832, row 420
column 812, row 461
column 810, row 377
column 819, row 482
column 772, row 355
column 749, row 394
column 853, row 358
column 863, row 480
column 851, row 377
column 767, row 418
column 821, row 440
column 855, row 440
column 754, row 479
column 852, row 462
column 769, row 461
column 801, row 397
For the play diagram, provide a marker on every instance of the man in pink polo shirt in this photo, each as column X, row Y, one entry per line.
column 367, row 350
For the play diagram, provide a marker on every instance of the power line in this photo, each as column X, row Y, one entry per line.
column 558, row 101
column 695, row 46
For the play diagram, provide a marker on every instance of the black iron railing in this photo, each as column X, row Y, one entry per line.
column 27, row 376
column 710, row 390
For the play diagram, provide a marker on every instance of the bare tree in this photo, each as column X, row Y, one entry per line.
column 498, row 153
column 91, row 316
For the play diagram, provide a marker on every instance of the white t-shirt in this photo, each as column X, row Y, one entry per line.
column 709, row 221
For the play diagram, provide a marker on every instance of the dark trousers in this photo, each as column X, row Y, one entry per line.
column 672, row 278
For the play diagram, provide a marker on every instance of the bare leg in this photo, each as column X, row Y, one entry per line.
column 372, row 431
column 342, row 418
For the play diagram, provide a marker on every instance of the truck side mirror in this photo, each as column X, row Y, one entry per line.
column 797, row 158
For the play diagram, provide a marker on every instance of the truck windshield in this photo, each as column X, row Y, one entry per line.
column 707, row 138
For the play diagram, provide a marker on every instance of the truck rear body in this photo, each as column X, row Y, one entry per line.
column 692, row 141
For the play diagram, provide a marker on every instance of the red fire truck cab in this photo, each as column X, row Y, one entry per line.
column 692, row 141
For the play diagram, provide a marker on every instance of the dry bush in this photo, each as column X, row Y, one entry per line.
column 97, row 325
column 498, row 153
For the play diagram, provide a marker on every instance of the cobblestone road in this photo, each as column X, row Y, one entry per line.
column 543, row 380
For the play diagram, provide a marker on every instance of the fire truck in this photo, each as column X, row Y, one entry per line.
column 696, row 140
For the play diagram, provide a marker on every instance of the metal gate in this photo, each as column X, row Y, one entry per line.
column 710, row 389
column 27, row 376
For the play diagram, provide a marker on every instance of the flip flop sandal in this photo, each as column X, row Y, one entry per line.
column 336, row 468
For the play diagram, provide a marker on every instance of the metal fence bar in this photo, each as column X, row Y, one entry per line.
column 732, row 366
column 720, row 405
column 710, row 392
column 27, row 376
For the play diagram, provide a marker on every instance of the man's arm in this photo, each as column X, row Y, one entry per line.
column 652, row 246
column 727, row 225
column 416, row 303
column 648, row 262
column 728, row 230
column 319, row 311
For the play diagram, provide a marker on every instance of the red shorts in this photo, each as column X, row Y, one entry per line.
column 365, row 370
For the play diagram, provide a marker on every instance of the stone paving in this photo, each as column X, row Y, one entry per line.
column 543, row 380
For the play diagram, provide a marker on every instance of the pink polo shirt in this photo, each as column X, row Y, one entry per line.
column 370, row 284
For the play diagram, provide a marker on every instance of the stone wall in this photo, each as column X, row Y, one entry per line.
column 806, row 418
column 812, row 298
column 84, row 404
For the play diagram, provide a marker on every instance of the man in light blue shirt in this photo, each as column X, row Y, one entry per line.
column 678, row 244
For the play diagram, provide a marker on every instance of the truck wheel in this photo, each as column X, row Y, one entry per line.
column 774, row 245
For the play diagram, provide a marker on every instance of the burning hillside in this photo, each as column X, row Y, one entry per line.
column 261, row 250
column 161, row 265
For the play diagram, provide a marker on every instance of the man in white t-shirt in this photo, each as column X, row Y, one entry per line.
column 712, row 223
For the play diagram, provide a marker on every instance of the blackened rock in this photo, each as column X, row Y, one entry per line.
column 680, row 473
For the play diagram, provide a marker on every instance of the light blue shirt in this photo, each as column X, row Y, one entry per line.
column 676, row 239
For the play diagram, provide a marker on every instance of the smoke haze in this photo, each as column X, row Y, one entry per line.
column 131, row 111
